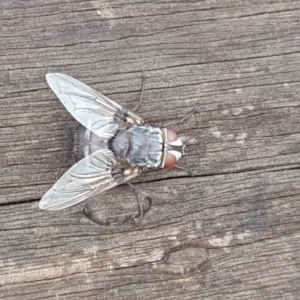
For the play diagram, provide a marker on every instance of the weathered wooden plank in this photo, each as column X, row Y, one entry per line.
column 224, row 244
column 230, row 232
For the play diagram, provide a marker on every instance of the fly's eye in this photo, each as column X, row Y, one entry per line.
column 170, row 161
column 171, row 135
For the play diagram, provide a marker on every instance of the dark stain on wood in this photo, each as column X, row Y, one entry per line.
column 229, row 232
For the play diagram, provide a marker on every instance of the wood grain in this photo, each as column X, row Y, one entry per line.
column 229, row 232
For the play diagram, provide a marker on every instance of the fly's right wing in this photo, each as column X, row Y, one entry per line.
column 90, row 108
column 93, row 174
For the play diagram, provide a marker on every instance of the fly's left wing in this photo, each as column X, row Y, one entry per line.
column 93, row 174
column 90, row 108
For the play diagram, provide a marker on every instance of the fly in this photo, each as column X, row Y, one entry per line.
column 129, row 146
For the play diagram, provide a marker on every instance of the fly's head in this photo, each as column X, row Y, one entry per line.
column 173, row 148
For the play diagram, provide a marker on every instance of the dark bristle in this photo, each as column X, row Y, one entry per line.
column 110, row 143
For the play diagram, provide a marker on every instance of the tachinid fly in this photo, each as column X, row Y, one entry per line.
column 128, row 146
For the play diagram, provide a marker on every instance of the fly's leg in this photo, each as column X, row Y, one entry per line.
column 178, row 122
column 131, row 174
column 138, row 197
column 141, row 96
column 184, row 169
column 132, row 117
column 170, row 123
column 183, row 119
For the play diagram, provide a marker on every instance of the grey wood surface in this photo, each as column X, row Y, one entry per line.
column 230, row 232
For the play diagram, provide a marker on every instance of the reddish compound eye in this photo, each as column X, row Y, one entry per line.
column 170, row 161
column 171, row 135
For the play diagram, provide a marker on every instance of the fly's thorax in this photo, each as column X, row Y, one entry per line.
column 173, row 148
column 140, row 146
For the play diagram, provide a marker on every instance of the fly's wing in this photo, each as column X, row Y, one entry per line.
column 93, row 174
column 93, row 110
